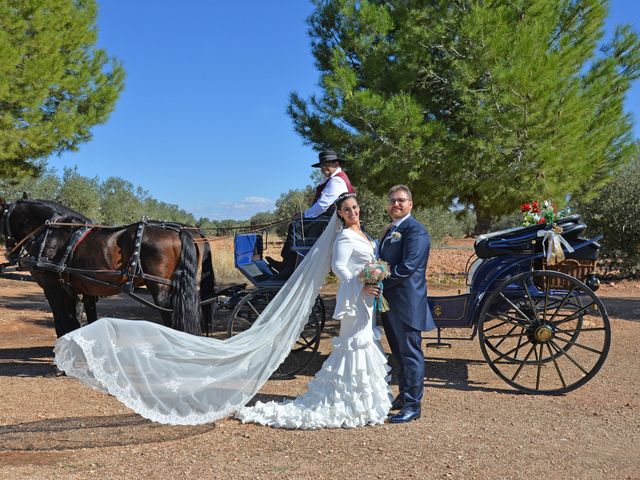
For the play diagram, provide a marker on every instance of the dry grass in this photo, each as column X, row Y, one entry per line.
column 222, row 252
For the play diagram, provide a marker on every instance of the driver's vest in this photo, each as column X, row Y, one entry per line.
column 343, row 176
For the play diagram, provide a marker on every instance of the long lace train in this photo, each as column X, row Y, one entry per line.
column 176, row 378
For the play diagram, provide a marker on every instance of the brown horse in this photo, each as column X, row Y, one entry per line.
column 69, row 257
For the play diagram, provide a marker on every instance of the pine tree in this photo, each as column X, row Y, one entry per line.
column 485, row 103
column 54, row 84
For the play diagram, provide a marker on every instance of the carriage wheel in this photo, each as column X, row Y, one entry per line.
column 304, row 350
column 306, row 347
column 544, row 332
column 248, row 309
column 520, row 331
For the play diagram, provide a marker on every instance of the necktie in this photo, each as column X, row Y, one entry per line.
column 389, row 232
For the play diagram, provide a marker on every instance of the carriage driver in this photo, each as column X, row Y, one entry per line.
column 318, row 214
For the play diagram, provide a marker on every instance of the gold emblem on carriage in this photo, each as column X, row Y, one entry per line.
column 437, row 310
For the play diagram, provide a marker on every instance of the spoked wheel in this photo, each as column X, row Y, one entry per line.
column 544, row 332
column 306, row 347
column 304, row 350
column 248, row 309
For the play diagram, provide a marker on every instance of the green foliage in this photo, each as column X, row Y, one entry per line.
column 615, row 213
column 440, row 223
column 46, row 185
column 79, row 192
column 485, row 103
column 373, row 212
column 122, row 203
column 167, row 211
column 264, row 218
column 111, row 202
column 54, row 84
column 294, row 202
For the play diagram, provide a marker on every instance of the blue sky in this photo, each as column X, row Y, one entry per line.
column 202, row 122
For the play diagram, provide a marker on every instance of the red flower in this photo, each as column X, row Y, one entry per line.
column 542, row 220
column 534, row 207
column 525, row 207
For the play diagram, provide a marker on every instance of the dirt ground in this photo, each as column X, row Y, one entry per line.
column 473, row 425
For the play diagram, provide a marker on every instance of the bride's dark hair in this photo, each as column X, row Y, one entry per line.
column 340, row 200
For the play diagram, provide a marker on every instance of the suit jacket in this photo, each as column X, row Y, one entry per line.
column 407, row 252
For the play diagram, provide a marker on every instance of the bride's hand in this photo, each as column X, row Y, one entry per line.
column 372, row 290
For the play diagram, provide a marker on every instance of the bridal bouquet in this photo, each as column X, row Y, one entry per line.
column 373, row 273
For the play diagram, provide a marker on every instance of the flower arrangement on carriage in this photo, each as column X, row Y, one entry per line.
column 538, row 212
column 546, row 212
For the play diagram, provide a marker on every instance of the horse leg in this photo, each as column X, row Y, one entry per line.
column 63, row 307
column 89, row 302
column 162, row 298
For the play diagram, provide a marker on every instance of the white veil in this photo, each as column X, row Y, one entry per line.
column 181, row 379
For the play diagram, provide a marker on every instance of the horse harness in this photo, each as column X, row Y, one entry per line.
column 5, row 229
column 132, row 271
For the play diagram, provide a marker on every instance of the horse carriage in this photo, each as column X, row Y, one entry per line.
column 541, row 327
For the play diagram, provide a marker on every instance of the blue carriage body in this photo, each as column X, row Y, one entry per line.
column 502, row 255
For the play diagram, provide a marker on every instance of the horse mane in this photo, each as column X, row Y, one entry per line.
column 57, row 209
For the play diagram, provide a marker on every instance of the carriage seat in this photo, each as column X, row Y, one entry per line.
column 306, row 232
column 524, row 240
column 248, row 249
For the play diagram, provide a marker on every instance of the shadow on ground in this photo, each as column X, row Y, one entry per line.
column 92, row 432
column 27, row 362
column 624, row 308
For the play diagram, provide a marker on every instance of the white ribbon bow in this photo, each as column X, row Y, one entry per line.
column 552, row 244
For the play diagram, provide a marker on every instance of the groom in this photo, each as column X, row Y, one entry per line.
column 405, row 246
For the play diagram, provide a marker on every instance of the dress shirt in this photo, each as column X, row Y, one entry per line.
column 334, row 187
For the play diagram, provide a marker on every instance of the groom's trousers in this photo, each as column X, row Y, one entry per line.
column 406, row 348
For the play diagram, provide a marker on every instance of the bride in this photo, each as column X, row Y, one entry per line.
column 173, row 377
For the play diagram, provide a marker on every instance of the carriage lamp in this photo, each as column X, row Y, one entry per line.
column 592, row 282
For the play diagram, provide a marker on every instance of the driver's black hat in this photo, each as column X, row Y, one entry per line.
column 327, row 156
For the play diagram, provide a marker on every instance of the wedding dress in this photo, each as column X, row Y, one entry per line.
column 351, row 389
column 176, row 378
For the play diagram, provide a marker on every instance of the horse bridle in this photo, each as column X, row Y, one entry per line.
column 5, row 230
column 13, row 246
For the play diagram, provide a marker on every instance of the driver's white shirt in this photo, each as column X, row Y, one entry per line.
column 334, row 187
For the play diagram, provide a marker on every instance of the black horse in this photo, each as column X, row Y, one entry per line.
column 69, row 258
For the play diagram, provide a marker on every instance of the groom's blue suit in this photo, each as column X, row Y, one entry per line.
column 406, row 249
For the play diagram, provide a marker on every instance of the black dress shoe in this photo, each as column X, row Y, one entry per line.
column 405, row 415
column 397, row 403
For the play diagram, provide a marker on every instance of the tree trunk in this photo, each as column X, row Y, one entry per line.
column 483, row 223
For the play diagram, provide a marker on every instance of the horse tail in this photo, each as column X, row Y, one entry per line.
column 207, row 284
column 185, row 301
